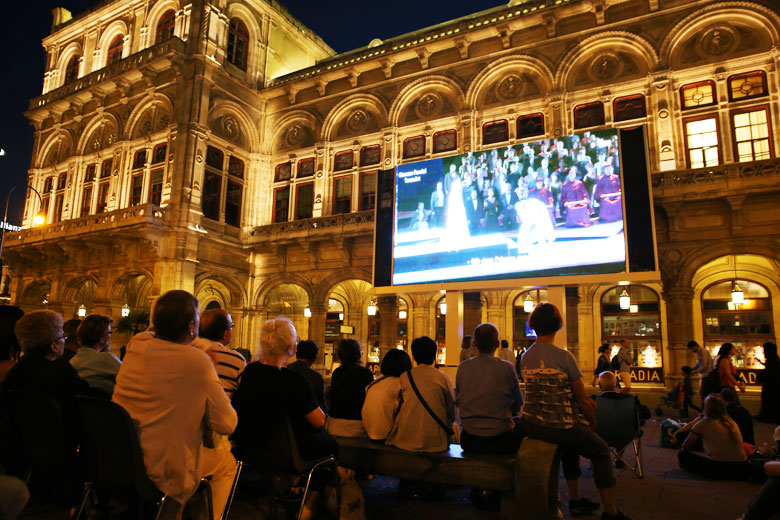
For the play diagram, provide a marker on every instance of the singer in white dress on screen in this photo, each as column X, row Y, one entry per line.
column 535, row 224
column 457, row 226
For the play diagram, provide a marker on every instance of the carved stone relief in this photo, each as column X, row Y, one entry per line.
column 605, row 66
column 510, row 87
column 717, row 40
column 429, row 105
column 357, row 120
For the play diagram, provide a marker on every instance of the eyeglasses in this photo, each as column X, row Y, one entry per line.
column 230, row 326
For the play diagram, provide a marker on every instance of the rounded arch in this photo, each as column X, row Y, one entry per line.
column 350, row 105
column 114, row 29
column 239, row 10
column 133, row 288
column 605, row 45
column 157, row 109
column 756, row 268
column 529, row 65
column 353, row 293
column 35, row 293
column 286, row 299
column 102, row 131
column 56, row 148
column 79, row 291
column 416, row 89
column 261, row 296
column 231, row 122
column 232, row 295
column 749, row 14
column 296, row 129
column 72, row 50
column 327, row 285
column 156, row 14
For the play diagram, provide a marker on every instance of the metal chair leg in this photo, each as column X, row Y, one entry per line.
column 83, row 501
column 329, row 460
column 226, row 511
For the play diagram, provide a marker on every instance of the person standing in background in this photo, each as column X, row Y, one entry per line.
column 770, row 385
column 626, row 361
column 703, row 364
column 506, row 353
column 602, row 363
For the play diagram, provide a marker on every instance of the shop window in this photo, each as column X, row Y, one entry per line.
column 370, row 155
column 212, row 190
column 343, row 161
column 238, row 43
column 698, row 94
column 523, row 336
column 155, row 192
column 165, row 26
column 530, row 125
column 752, row 134
column 86, row 200
column 701, row 141
column 89, row 174
column 495, row 132
column 414, row 147
column 214, row 157
column 305, row 168
column 367, row 190
column 281, row 204
column 748, row 85
column 445, row 141
column 102, row 200
column 159, row 154
column 115, row 49
column 136, row 189
column 236, row 167
column 105, row 168
column 589, row 114
column 747, row 326
column 640, row 324
column 139, row 159
column 233, row 203
column 304, row 200
column 342, row 195
column 283, row 172
column 630, row 107
column 72, row 69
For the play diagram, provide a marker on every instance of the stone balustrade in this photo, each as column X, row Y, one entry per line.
column 346, row 225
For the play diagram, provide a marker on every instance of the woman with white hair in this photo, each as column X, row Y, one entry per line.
column 269, row 393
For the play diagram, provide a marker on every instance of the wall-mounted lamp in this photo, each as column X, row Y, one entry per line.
column 625, row 300
column 634, row 308
column 737, row 296
column 307, row 312
column 528, row 303
column 371, row 309
column 82, row 311
column 402, row 315
column 443, row 309
column 341, row 316
column 125, row 311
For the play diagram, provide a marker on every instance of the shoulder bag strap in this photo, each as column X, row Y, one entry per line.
column 428, row 408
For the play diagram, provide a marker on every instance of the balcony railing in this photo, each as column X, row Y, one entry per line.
column 704, row 182
column 132, row 62
column 143, row 215
column 348, row 224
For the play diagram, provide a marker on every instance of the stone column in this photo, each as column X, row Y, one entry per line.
column 572, row 321
column 472, row 311
column 679, row 331
column 587, row 337
column 388, row 323
column 420, row 324
column 317, row 323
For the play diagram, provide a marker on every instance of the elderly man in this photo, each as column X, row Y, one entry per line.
column 171, row 391
column 703, row 364
column 216, row 332
column 488, row 395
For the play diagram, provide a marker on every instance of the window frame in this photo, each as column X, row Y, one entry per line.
column 276, row 210
column 752, row 73
column 628, row 98
column 301, row 162
column 165, row 24
column 136, row 199
column 153, row 184
column 343, row 167
column 156, row 152
column 336, row 200
column 404, row 150
column 237, row 51
column 115, row 49
column 277, row 177
column 451, row 131
column 683, row 88
column 770, row 137
column 105, row 168
column 526, row 117
column 361, row 205
column 101, row 204
column 685, row 121
column 365, row 149
column 578, row 109
column 495, row 123
column 296, row 209
column 86, row 199
column 72, row 69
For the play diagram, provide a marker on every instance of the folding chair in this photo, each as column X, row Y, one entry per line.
column 617, row 418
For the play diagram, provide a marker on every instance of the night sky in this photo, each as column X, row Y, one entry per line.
column 344, row 25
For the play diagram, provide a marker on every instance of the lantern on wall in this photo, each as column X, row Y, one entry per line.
column 528, row 303
column 625, row 300
column 307, row 312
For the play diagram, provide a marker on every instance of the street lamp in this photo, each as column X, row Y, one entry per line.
column 38, row 219
column 125, row 311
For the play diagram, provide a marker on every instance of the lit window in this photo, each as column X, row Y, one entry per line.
column 445, row 141
column 630, row 107
column 342, row 195
column 115, row 49
column 530, row 125
column 698, row 94
column 748, row 85
column 495, row 132
column 751, row 135
column 701, row 140
column 238, row 43
column 367, row 191
column 165, row 26
column 281, row 204
column 590, row 114
column 304, row 200
column 414, row 147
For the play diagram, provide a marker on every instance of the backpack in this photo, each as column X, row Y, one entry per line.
column 614, row 364
column 711, row 382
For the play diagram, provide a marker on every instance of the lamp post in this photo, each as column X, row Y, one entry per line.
column 37, row 220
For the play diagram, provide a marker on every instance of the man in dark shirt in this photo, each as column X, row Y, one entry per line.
column 305, row 356
column 740, row 414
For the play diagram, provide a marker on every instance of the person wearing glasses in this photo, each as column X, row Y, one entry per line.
column 94, row 361
column 216, row 332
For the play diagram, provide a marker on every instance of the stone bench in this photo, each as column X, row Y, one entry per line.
column 528, row 482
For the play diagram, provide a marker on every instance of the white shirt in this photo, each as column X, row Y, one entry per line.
column 98, row 369
column 379, row 406
column 506, row 354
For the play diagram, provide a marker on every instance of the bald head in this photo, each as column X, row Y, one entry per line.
column 607, row 381
column 216, row 325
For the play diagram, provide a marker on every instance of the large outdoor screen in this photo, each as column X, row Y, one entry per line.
column 553, row 207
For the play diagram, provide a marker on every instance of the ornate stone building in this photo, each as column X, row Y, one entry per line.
column 221, row 147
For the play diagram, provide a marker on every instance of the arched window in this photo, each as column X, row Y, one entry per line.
column 633, row 312
column 72, row 70
column 238, row 44
column 115, row 49
column 747, row 325
column 523, row 335
column 165, row 26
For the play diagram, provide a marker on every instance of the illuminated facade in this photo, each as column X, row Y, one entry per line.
column 221, row 147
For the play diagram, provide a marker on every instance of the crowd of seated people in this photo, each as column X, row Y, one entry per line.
column 575, row 178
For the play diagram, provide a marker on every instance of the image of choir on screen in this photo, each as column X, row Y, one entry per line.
column 568, row 182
